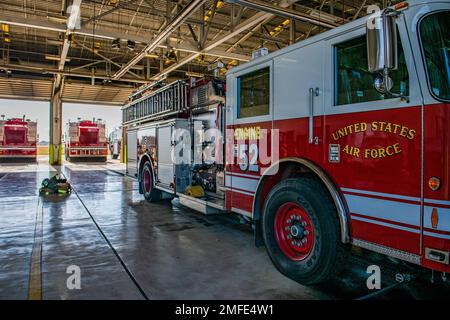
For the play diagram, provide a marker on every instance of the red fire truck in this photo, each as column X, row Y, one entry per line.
column 18, row 139
column 86, row 140
column 356, row 125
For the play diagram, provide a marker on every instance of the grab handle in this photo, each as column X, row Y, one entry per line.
column 312, row 93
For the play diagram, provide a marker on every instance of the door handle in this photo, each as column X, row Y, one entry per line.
column 313, row 92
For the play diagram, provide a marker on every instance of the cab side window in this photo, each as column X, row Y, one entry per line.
column 254, row 93
column 353, row 83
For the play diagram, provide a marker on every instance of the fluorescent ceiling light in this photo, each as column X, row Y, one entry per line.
column 59, row 19
column 323, row 16
column 54, row 58
column 194, row 74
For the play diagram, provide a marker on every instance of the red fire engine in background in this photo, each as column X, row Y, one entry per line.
column 18, row 139
column 86, row 140
column 360, row 118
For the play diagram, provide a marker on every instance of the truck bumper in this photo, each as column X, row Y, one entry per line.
column 18, row 152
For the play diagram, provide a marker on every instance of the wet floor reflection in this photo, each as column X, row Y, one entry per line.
column 174, row 252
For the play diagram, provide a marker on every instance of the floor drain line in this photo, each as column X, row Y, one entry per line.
column 128, row 271
column 35, row 274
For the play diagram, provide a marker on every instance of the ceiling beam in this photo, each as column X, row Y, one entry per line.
column 208, row 25
column 284, row 12
column 106, row 59
column 105, row 13
column 243, row 26
column 180, row 17
column 72, row 22
column 44, row 71
column 43, row 24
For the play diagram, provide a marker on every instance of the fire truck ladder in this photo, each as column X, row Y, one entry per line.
column 166, row 101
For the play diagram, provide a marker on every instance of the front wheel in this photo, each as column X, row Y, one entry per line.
column 301, row 231
column 146, row 182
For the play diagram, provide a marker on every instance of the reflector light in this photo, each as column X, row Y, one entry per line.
column 434, row 218
column 401, row 6
column 434, row 183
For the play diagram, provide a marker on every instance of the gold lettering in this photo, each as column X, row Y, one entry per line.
column 388, row 127
column 374, row 126
column 374, row 153
column 363, row 126
column 403, row 131
column 389, row 153
column 396, row 127
column 335, row 136
column 411, row 134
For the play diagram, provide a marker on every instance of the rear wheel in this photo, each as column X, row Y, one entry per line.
column 148, row 189
column 301, row 231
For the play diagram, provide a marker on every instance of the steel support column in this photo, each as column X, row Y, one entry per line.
column 55, row 151
column 123, row 147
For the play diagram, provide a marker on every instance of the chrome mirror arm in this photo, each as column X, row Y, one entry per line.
column 388, row 90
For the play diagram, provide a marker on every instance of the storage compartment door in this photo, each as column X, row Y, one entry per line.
column 165, row 166
column 132, row 153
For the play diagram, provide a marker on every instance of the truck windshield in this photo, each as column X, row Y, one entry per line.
column 435, row 34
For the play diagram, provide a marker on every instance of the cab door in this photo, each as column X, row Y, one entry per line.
column 249, row 125
column 433, row 40
column 298, row 102
column 374, row 144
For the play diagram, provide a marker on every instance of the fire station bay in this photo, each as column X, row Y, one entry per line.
column 225, row 150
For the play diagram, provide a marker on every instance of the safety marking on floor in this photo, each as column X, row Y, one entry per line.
column 35, row 280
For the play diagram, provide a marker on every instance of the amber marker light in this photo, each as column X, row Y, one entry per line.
column 434, row 218
column 434, row 183
column 401, row 6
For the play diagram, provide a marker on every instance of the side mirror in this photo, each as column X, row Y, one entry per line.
column 382, row 54
column 382, row 43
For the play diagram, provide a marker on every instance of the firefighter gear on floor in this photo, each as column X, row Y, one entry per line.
column 54, row 185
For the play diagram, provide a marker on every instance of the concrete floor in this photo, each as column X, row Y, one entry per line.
column 165, row 250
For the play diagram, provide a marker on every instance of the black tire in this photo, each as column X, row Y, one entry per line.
column 115, row 156
column 327, row 253
column 148, row 190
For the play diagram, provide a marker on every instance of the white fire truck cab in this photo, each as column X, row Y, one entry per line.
column 338, row 140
